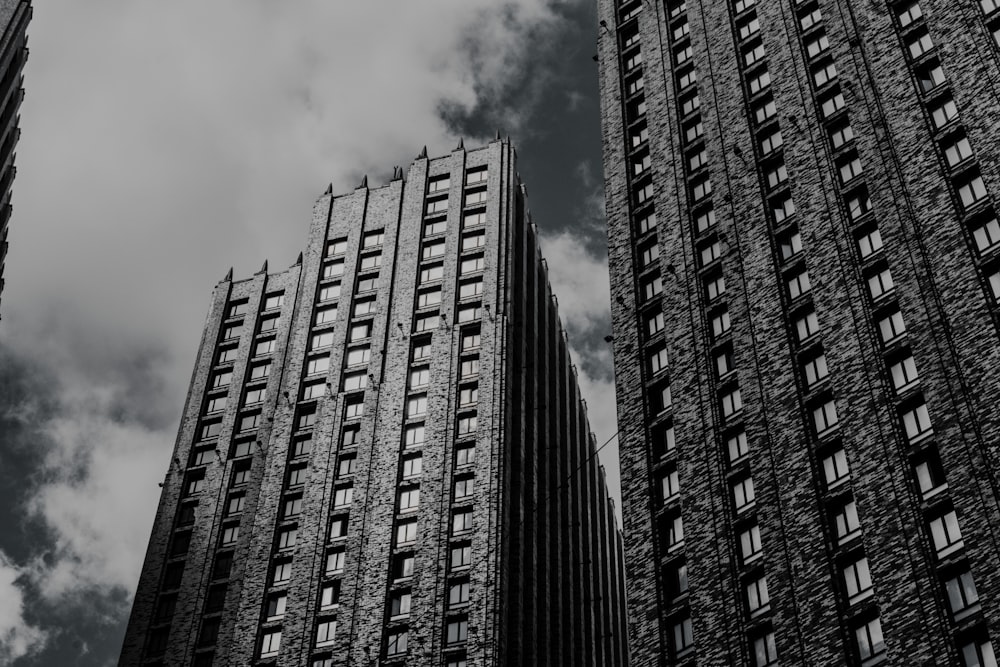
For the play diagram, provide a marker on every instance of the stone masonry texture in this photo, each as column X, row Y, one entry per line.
column 803, row 250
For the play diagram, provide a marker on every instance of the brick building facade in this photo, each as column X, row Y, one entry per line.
column 384, row 458
column 803, row 248
column 14, row 18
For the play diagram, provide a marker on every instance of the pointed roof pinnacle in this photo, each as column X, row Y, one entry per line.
column 263, row 269
column 329, row 189
column 364, row 181
column 497, row 138
column 298, row 262
column 461, row 145
column 423, row 154
column 229, row 276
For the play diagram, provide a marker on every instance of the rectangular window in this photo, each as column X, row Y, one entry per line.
column 782, row 208
column 987, row 235
column 835, row 470
column 335, row 562
column 458, row 631
column 743, row 494
column 891, row 326
column 412, row 466
column 737, row 446
column 979, row 654
column 654, row 324
column 282, row 571
column 413, row 436
column 269, row 323
column 705, row 220
column 464, row 487
column 270, row 644
column 824, row 73
column 962, row 594
column 945, row 533
column 806, row 326
column 777, row 175
column 869, row 640
column 472, row 265
column 658, row 361
column 272, row 301
column 917, row 422
column 858, row 581
column 845, row 521
column 720, row 323
column 675, row 531
column 683, row 637
column 458, row 594
column 326, row 632
column 715, row 287
column 771, row 142
column 944, row 112
column 817, row 45
column 406, row 532
column 760, row 82
column 870, row 243
column 972, row 191
column 815, row 369
column 765, row 652
column 465, row 455
column 750, row 545
column 409, row 500
column 753, row 54
column 825, row 417
column 920, row 44
column 461, row 522
column 881, row 283
column 461, row 556
column 798, row 285
column 904, row 373
column 764, row 109
column 342, row 496
column 264, row 347
column 758, row 598
column 670, row 485
column 832, row 104
column 810, row 19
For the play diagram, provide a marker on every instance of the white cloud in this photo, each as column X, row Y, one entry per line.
column 18, row 637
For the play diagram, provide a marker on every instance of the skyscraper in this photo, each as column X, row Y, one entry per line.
column 803, row 246
column 384, row 457
column 14, row 17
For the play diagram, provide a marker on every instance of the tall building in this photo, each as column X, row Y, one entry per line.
column 803, row 247
column 14, row 17
column 384, row 457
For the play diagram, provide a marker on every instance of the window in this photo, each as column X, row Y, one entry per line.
column 325, row 632
column 342, row 496
column 931, row 76
column 891, row 326
column 276, row 606
column 724, row 364
column 652, row 287
column 962, row 594
column 264, row 347
column 750, row 545
column 870, row 243
column 272, row 301
column 458, row 594
column 764, row 109
column 416, row 406
column 249, row 421
column 269, row 323
column 216, row 404
column 781, row 208
column 743, row 493
column 287, row 538
column 683, row 638
column 806, row 326
column 317, row 365
column 777, row 175
column 458, row 631
column 464, row 487
column 944, row 112
column 758, row 598
column 469, row 313
column 301, row 446
column 737, row 446
column 841, row 134
column 396, row 643
column 715, row 287
column 835, row 468
column 815, row 369
column 649, row 255
column 461, row 522
column 338, row 527
column 232, row 331
column 945, row 533
column 832, row 104
column 986, row 235
column 647, row 222
column 402, row 566
column 850, row 168
column 654, row 324
column 916, row 422
column 749, row 28
column 957, row 150
column 241, row 475
column 292, row 507
column 979, row 654
column 675, row 531
column 670, row 484
column 409, row 500
column 920, row 44
column 329, row 595
column 644, row 193
column 465, row 455
column 336, row 247
column 639, row 136
column 869, row 640
column 732, row 402
column 282, row 571
column 908, row 13
column 681, row 56
column 798, row 284
column 825, row 417
column 858, row 581
column 845, row 521
column 817, row 45
column 477, row 175
column 658, row 360
column 824, row 73
column 753, row 54
column 331, row 270
column 677, row 580
column 413, row 436
column 468, row 396
column 436, row 206
column 720, row 323
column 692, row 131
column 236, row 309
column 271, row 644
column 972, row 191
column 771, row 142
column 227, row 354
column 412, row 465
column 346, row 466
column 904, row 373
column 764, row 651
column 989, row 6
column 406, row 532
column 880, row 284
column 472, row 265
column 461, row 556
column 810, row 19
column 297, row 476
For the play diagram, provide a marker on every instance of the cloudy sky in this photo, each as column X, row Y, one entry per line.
column 162, row 143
